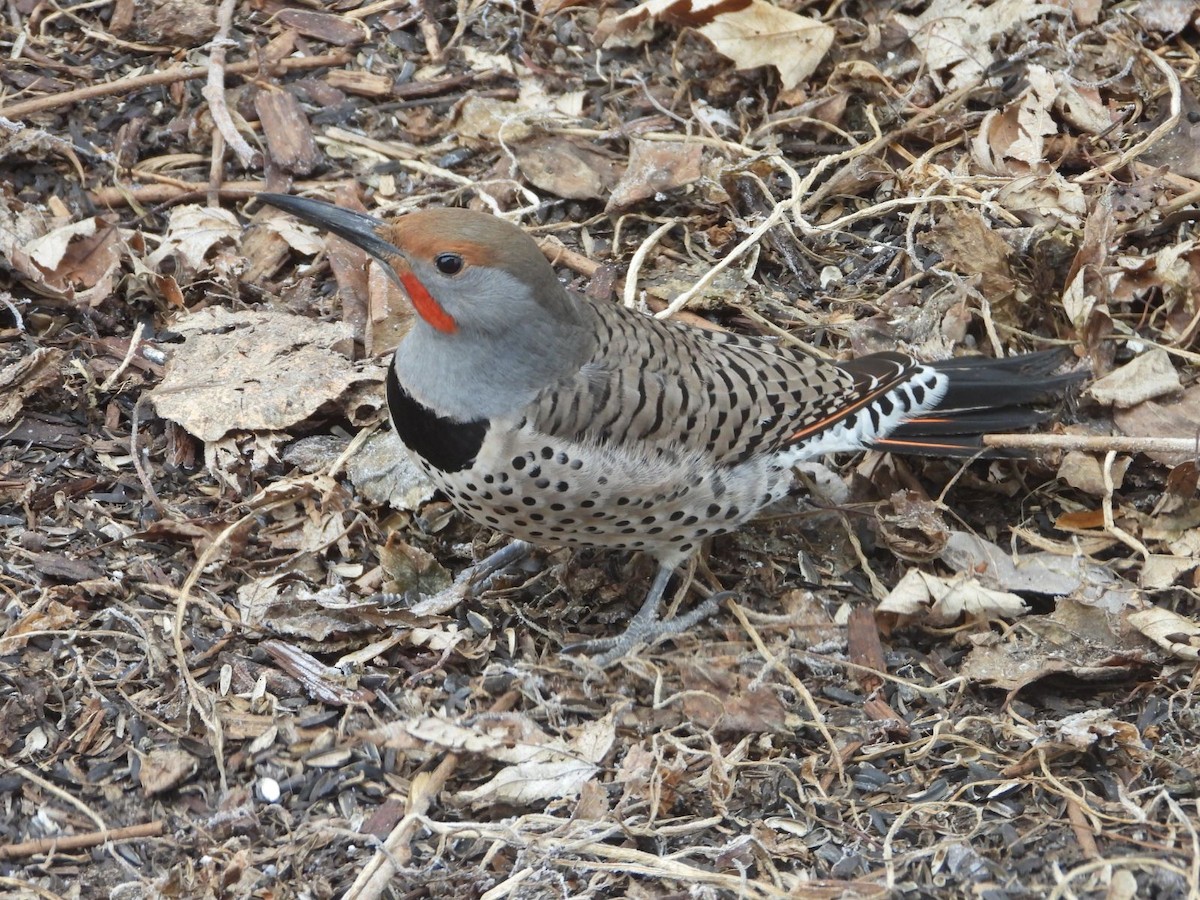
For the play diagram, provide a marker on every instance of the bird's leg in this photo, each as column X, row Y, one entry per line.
column 646, row 626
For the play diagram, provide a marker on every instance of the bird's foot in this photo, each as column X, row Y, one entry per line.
column 474, row 580
column 645, row 629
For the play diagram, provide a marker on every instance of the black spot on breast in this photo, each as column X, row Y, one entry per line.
column 446, row 445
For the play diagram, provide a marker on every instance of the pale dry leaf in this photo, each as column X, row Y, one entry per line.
column 1171, row 631
column 552, row 770
column 252, row 370
column 384, row 471
column 49, row 249
column 951, row 34
column 1146, row 377
column 192, row 233
column 944, row 600
column 1044, row 199
column 1040, row 573
column 1081, row 106
column 1163, row 570
column 751, row 33
column 1085, row 729
column 1084, row 472
column 762, row 34
column 1012, row 140
column 301, row 237
column 1167, row 16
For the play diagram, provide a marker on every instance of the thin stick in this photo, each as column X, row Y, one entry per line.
column 1094, row 443
column 81, row 841
column 373, row 879
column 214, row 90
column 129, row 85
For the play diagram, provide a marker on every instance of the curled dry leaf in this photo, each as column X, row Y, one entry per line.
column 960, row 37
column 550, row 770
column 752, row 34
column 1085, row 729
column 192, row 232
column 1178, row 636
column 944, row 600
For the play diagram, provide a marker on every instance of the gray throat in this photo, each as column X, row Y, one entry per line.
column 468, row 376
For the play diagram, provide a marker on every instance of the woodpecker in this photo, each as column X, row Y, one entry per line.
column 562, row 421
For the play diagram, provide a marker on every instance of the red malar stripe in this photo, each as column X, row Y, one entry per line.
column 427, row 308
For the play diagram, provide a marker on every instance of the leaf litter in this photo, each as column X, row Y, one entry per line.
column 228, row 614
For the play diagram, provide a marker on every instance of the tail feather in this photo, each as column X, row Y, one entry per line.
column 985, row 396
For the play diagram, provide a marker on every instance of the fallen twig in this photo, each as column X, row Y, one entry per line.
column 81, row 841
column 1094, row 443
column 129, row 85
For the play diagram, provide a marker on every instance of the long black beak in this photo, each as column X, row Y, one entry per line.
column 358, row 228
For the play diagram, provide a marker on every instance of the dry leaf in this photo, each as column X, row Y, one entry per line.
column 192, row 232
column 941, row 601
column 1171, row 631
column 951, row 34
column 752, row 33
column 567, row 168
column 163, row 770
column 656, row 167
column 1145, row 377
column 252, row 370
column 25, row 377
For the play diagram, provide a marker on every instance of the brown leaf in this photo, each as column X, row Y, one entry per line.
column 567, row 168
column 255, row 370
column 656, row 167
column 969, row 245
column 25, row 377
column 752, row 33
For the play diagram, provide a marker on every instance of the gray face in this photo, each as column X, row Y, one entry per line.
column 505, row 349
column 515, row 330
column 494, row 325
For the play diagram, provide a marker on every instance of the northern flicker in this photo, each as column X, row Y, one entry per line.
column 558, row 420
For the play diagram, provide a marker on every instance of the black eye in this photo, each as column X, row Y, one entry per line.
column 448, row 263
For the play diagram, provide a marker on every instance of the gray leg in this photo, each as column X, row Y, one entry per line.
column 646, row 627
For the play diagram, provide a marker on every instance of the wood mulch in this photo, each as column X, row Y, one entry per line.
column 233, row 658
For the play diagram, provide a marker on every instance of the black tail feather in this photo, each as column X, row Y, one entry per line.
column 986, row 396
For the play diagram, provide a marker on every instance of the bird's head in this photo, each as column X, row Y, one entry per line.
column 462, row 270
column 495, row 325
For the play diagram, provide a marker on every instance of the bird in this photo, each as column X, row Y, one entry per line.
column 560, row 420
